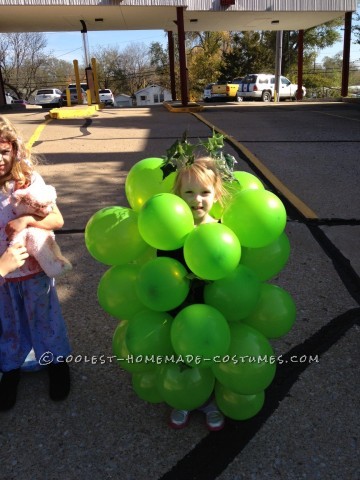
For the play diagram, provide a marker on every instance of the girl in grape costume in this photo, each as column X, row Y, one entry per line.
column 200, row 185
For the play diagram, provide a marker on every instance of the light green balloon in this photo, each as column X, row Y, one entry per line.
column 247, row 181
column 212, row 251
column 162, row 284
column 235, row 295
column 237, row 406
column 183, row 387
column 199, row 333
column 145, row 386
column 249, row 366
column 117, row 291
column 257, row 217
column 145, row 179
column 275, row 313
column 112, row 236
column 267, row 261
column 164, row 221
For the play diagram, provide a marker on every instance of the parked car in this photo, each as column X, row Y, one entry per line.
column 106, row 96
column 207, row 92
column 48, row 98
column 84, row 86
column 260, row 86
column 74, row 96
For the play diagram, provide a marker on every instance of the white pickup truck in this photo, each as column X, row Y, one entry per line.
column 261, row 86
column 106, row 96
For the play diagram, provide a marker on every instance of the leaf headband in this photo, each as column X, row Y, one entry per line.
column 182, row 154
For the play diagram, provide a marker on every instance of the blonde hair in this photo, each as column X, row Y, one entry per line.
column 204, row 170
column 22, row 160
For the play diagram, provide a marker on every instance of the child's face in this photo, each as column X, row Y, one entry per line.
column 5, row 157
column 200, row 197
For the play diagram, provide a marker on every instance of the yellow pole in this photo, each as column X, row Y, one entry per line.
column 77, row 78
column 68, row 98
column 96, row 81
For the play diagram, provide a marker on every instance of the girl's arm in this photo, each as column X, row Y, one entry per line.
column 13, row 258
column 53, row 221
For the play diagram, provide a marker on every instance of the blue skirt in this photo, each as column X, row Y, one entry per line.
column 31, row 318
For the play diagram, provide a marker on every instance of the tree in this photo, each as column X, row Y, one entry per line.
column 159, row 60
column 124, row 71
column 21, row 59
column 249, row 53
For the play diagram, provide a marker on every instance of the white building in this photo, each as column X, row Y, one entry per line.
column 152, row 95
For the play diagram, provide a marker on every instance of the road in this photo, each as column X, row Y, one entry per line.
column 308, row 428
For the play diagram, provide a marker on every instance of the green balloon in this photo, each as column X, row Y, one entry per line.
column 162, row 284
column 275, row 312
column 112, row 236
column 237, row 406
column 235, row 295
column 164, row 221
column 246, row 181
column 149, row 254
column 267, row 261
column 249, row 365
column 125, row 359
column 117, row 291
column 144, row 180
column 257, row 217
column 148, row 333
column 212, row 251
column 145, row 386
column 185, row 388
column 199, row 333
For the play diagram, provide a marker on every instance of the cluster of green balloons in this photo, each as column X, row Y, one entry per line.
column 220, row 347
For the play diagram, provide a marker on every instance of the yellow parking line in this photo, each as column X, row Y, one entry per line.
column 300, row 206
column 35, row 136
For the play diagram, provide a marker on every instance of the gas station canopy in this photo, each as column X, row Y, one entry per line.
column 199, row 15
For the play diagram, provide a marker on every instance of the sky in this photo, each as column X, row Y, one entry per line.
column 69, row 46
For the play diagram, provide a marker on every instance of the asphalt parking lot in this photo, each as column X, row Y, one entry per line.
column 308, row 427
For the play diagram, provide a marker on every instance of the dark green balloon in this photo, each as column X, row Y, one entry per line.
column 275, row 313
column 250, row 366
column 237, row 406
column 183, row 387
column 198, row 333
column 145, row 386
column 267, row 261
column 125, row 359
column 148, row 333
column 235, row 295
column 117, row 291
column 162, row 284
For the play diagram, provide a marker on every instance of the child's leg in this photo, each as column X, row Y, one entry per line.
column 48, row 332
column 179, row 418
column 8, row 389
column 14, row 342
column 214, row 418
